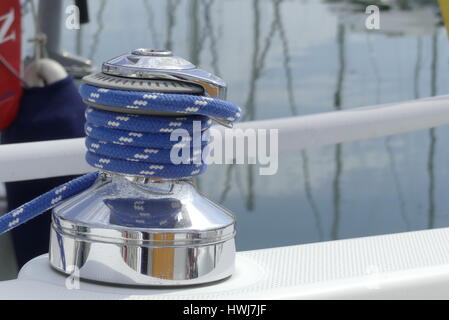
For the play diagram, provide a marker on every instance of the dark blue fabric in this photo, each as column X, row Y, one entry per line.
column 49, row 113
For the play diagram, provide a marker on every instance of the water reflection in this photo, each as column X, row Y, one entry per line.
column 308, row 189
column 100, row 26
column 391, row 5
column 287, row 58
column 259, row 55
column 151, row 23
column 417, row 67
column 397, row 182
column 212, row 33
column 195, row 43
column 432, row 134
column 341, row 31
column 172, row 6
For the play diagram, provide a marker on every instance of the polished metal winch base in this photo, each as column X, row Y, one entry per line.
column 143, row 266
column 152, row 233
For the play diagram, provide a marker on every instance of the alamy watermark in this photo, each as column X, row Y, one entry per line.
column 72, row 22
column 227, row 146
column 372, row 22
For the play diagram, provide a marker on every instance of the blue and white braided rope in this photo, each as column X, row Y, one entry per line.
column 133, row 144
column 45, row 202
column 145, row 150
column 178, row 103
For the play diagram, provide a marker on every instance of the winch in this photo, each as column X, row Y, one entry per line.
column 142, row 222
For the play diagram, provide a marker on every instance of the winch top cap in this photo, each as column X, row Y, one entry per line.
column 149, row 64
column 152, row 52
column 144, row 59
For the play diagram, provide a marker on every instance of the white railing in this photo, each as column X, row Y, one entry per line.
column 66, row 157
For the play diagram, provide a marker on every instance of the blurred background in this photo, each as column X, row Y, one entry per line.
column 285, row 58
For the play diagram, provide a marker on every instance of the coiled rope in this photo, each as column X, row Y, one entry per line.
column 127, row 143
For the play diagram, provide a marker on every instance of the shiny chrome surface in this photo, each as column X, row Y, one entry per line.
column 143, row 266
column 134, row 231
column 160, row 64
column 142, row 231
column 152, row 52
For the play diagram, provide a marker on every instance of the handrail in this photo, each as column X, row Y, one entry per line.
column 36, row 160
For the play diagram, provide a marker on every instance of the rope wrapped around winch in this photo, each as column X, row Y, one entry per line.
column 128, row 143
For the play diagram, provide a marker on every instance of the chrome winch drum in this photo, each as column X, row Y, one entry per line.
column 133, row 230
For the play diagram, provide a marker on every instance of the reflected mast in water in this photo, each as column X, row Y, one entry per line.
column 389, row 148
column 341, row 30
column 257, row 66
column 397, row 182
column 172, row 5
column 432, row 134
column 375, row 66
column 194, row 41
column 210, row 31
column 294, row 110
column 417, row 67
column 100, row 26
column 151, row 18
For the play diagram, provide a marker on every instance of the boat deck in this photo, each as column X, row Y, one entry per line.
column 412, row 265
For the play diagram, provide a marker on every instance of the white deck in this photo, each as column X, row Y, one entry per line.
column 413, row 265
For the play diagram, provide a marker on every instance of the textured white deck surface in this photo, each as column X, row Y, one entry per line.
column 413, row 265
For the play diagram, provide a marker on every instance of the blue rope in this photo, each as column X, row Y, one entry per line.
column 178, row 103
column 134, row 144
column 113, row 147
column 45, row 202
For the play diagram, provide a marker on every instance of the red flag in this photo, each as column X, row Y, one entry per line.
column 10, row 44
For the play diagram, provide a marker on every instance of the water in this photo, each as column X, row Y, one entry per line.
column 285, row 58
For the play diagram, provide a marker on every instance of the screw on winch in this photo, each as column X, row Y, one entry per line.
column 146, row 226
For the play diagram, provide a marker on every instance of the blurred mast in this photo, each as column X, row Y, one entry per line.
column 194, row 40
column 151, row 25
column 294, row 110
column 336, row 185
column 172, row 5
column 100, row 26
column 432, row 134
